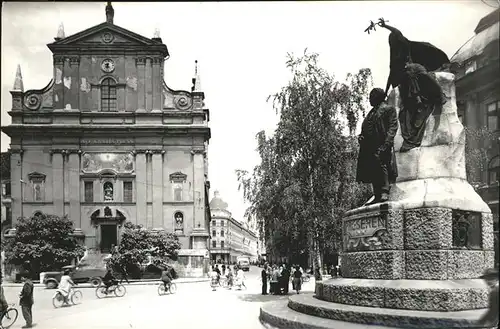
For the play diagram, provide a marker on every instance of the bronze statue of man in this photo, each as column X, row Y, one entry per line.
column 376, row 159
column 421, row 94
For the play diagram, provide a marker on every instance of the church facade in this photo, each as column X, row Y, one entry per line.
column 107, row 141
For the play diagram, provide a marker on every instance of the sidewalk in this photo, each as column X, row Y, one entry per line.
column 146, row 282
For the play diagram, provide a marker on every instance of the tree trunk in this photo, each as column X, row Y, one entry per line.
column 318, row 276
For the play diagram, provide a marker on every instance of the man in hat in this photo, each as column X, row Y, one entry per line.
column 26, row 299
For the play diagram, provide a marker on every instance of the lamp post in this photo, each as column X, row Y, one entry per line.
column 22, row 196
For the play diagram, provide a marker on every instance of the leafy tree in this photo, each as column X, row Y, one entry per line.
column 138, row 244
column 45, row 242
column 305, row 181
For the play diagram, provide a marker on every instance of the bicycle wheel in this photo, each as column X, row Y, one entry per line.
column 77, row 297
column 161, row 289
column 173, row 288
column 100, row 292
column 120, row 290
column 9, row 318
column 58, row 300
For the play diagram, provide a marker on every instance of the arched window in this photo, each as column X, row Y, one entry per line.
column 108, row 95
column 108, row 191
column 37, row 214
column 494, row 170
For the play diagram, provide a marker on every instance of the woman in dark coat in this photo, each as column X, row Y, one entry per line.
column 297, row 279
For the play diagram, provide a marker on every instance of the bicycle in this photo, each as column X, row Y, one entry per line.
column 172, row 288
column 74, row 296
column 9, row 317
column 118, row 289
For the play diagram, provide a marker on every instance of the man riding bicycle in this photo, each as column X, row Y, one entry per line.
column 166, row 277
column 109, row 280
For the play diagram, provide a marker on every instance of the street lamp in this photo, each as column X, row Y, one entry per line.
column 22, row 196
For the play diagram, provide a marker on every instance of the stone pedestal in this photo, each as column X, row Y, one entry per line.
column 415, row 261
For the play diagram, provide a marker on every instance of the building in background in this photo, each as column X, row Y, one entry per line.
column 107, row 141
column 476, row 67
column 6, row 213
column 230, row 238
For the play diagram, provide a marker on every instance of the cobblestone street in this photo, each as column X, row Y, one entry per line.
column 194, row 305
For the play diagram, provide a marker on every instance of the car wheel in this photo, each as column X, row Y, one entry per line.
column 95, row 282
column 51, row 284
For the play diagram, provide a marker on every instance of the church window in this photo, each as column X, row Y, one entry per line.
column 493, row 114
column 177, row 192
column 494, row 170
column 108, row 95
column 127, row 192
column 89, row 191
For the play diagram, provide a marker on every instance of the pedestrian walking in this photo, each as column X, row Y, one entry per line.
column 286, row 279
column 264, row 279
column 26, row 300
column 297, row 279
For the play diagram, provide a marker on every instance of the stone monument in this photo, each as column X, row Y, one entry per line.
column 414, row 261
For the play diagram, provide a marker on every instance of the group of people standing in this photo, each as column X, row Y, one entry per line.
column 234, row 277
column 279, row 278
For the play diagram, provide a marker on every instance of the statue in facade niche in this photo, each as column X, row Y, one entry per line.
column 108, row 192
column 376, row 159
column 421, row 95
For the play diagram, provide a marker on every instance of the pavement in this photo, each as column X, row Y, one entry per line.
column 194, row 305
column 132, row 282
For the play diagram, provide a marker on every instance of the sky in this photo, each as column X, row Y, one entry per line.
column 241, row 48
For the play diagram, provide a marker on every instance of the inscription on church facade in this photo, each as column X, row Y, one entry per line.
column 111, row 141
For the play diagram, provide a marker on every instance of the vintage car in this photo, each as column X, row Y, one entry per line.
column 79, row 274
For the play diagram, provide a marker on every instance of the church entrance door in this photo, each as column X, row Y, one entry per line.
column 109, row 237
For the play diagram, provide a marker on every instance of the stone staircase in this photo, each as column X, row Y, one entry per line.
column 307, row 311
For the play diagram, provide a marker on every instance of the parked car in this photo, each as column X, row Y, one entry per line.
column 79, row 274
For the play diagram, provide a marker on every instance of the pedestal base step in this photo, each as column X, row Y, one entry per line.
column 277, row 315
column 308, row 304
column 419, row 295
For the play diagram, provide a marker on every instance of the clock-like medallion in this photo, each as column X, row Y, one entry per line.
column 108, row 65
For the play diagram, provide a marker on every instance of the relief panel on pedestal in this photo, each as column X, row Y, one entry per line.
column 466, row 230
column 366, row 233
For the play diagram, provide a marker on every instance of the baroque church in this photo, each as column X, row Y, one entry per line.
column 107, row 141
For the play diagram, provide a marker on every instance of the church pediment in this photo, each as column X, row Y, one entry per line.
column 107, row 35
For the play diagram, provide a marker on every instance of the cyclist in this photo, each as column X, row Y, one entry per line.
column 3, row 302
column 109, row 280
column 166, row 277
column 65, row 285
